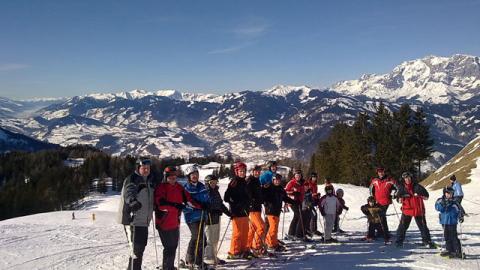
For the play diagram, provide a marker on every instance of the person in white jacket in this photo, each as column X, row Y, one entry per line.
column 329, row 207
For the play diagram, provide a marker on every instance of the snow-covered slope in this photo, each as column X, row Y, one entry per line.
column 55, row 241
column 431, row 79
column 462, row 165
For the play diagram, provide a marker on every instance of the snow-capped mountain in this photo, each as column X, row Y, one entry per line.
column 10, row 141
column 24, row 108
column 431, row 79
column 284, row 121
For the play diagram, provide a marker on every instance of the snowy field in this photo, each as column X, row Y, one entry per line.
column 55, row 241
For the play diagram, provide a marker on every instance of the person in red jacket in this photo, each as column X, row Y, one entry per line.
column 170, row 198
column 411, row 195
column 296, row 190
column 381, row 188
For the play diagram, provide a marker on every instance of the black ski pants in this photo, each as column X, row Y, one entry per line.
column 405, row 223
column 313, row 220
column 452, row 243
column 383, row 220
column 137, row 237
column 169, row 240
column 197, row 243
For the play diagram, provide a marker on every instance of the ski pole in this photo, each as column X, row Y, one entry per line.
column 321, row 225
column 198, row 238
column 133, row 247
column 283, row 222
column 341, row 222
column 223, row 237
column 155, row 242
column 395, row 208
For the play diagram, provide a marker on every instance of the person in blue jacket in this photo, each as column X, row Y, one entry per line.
column 266, row 177
column 451, row 212
column 457, row 187
column 196, row 218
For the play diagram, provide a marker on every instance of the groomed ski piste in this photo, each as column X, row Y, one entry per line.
column 55, row 241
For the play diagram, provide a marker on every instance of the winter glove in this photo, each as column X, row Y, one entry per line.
column 296, row 193
column 346, row 208
column 460, row 220
column 160, row 213
column 228, row 214
column 135, row 205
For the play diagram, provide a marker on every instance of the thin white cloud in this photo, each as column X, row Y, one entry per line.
column 251, row 30
column 12, row 66
column 246, row 34
column 231, row 49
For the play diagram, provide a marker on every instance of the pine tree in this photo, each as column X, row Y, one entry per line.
column 422, row 139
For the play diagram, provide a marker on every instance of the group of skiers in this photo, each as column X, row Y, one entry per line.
column 255, row 205
column 411, row 195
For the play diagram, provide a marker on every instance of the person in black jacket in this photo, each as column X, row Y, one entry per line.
column 215, row 210
column 238, row 196
column 256, row 230
column 274, row 196
column 136, row 209
column 374, row 213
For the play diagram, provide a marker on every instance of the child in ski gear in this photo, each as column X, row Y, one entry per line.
column 340, row 193
column 238, row 197
column 451, row 212
column 256, row 231
column 274, row 196
column 457, row 187
column 381, row 188
column 329, row 208
column 267, row 176
column 411, row 195
column 296, row 190
column 194, row 217
column 311, row 185
column 213, row 221
column 170, row 199
column 136, row 209
column 373, row 211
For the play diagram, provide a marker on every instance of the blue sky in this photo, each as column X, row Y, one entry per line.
column 67, row 48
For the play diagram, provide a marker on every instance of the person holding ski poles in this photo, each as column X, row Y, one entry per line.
column 215, row 211
column 411, row 195
column 451, row 212
column 238, row 197
column 274, row 196
column 381, row 188
column 170, row 199
column 195, row 217
column 136, row 208
column 256, row 231
column 296, row 191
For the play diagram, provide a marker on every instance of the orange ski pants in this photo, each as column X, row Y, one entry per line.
column 272, row 234
column 256, row 231
column 239, row 244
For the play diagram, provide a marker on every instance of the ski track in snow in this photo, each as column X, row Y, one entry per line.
column 55, row 241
